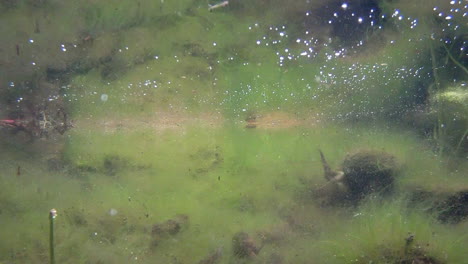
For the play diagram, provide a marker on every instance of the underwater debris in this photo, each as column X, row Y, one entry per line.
column 244, row 246
column 41, row 124
column 416, row 256
column 251, row 120
column 412, row 254
column 113, row 164
column 251, row 125
column 213, row 258
column 40, row 115
column 195, row 50
column 75, row 216
column 171, row 227
column 207, row 160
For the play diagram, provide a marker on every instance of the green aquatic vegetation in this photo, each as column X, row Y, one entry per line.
column 27, row 226
column 144, row 75
column 138, row 45
column 450, row 107
column 226, row 180
column 454, row 60
column 116, row 15
column 244, row 155
column 188, row 78
column 383, row 231
column 20, row 62
column 157, row 85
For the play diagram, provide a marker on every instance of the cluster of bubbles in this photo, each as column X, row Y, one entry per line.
column 310, row 44
column 458, row 12
column 310, row 47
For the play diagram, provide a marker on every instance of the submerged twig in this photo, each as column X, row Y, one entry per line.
column 218, row 5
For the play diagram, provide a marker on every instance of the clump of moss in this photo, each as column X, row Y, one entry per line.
column 368, row 171
column 454, row 209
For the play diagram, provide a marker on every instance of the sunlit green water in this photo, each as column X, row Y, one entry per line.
column 159, row 93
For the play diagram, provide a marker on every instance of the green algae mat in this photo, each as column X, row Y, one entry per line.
column 191, row 131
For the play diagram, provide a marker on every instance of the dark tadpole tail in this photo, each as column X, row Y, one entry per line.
column 328, row 172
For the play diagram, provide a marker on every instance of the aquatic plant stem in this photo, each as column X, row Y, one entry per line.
column 455, row 61
column 461, row 140
column 438, row 129
column 52, row 215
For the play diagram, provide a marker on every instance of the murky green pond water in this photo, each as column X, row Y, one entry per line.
column 267, row 131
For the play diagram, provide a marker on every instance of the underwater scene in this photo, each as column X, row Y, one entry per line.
column 235, row 131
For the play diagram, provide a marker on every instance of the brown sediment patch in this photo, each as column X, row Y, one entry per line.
column 278, row 120
column 159, row 121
